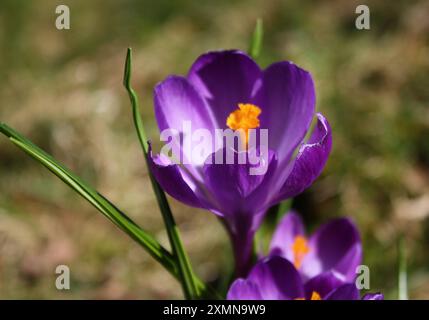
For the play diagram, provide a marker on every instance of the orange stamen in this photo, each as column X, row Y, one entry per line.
column 299, row 249
column 314, row 296
column 244, row 118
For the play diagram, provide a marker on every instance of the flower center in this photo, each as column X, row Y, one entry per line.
column 299, row 249
column 314, row 296
column 244, row 118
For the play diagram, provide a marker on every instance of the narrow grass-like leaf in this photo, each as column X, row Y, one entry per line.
column 108, row 209
column 256, row 40
column 282, row 208
column 96, row 199
column 190, row 288
column 102, row 204
column 402, row 271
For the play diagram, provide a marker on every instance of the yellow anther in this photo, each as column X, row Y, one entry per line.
column 244, row 118
column 299, row 249
column 315, row 296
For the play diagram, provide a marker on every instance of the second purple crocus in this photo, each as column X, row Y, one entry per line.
column 334, row 247
column 275, row 278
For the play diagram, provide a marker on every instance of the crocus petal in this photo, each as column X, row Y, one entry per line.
column 289, row 227
column 334, row 246
column 224, row 79
column 287, row 99
column 309, row 162
column 345, row 292
column 348, row 264
column 233, row 186
column 323, row 284
column 171, row 179
column 373, row 296
column 176, row 100
column 241, row 198
column 243, row 290
column 180, row 111
column 277, row 279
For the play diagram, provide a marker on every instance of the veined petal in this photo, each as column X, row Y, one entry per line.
column 277, row 279
column 345, row 292
column 350, row 261
column 373, row 296
column 309, row 162
column 180, row 111
column 323, row 284
column 243, row 290
column 171, row 179
column 334, row 246
column 176, row 101
column 287, row 99
column 233, row 185
column 224, row 79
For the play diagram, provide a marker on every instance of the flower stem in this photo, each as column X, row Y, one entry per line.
column 190, row 289
column 241, row 234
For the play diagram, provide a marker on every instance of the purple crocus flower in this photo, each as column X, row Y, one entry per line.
column 335, row 246
column 228, row 90
column 275, row 278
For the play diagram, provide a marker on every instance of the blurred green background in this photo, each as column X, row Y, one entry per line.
column 63, row 90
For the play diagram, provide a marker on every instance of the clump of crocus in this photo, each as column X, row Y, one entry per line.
column 334, row 247
column 228, row 90
column 275, row 278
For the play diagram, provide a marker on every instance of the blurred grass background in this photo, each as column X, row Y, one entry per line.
column 63, row 89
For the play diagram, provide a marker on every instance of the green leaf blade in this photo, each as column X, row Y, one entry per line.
column 255, row 47
column 97, row 200
column 188, row 280
column 402, row 272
